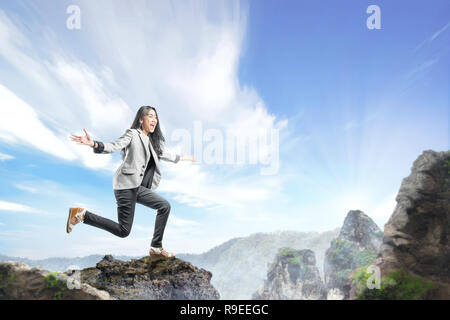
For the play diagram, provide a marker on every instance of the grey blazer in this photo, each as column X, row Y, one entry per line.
column 137, row 149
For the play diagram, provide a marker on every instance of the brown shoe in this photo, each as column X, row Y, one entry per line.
column 160, row 253
column 76, row 215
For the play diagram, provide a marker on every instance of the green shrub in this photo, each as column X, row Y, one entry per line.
column 341, row 254
column 342, row 275
column 7, row 279
column 54, row 284
column 287, row 252
column 364, row 257
column 293, row 257
column 398, row 285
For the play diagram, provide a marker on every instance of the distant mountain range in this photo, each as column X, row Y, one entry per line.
column 61, row 264
column 239, row 266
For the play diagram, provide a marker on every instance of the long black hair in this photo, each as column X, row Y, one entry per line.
column 156, row 137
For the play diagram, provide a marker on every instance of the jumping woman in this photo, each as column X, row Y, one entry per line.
column 135, row 179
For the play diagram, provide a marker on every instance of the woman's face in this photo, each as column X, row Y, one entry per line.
column 149, row 121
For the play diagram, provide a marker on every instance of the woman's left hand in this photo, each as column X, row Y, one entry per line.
column 188, row 158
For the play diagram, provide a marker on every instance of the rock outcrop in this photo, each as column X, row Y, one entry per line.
column 414, row 258
column 293, row 276
column 138, row 279
column 240, row 265
column 151, row 279
column 356, row 246
column 18, row 281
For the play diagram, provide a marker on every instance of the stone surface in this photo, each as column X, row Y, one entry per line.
column 143, row 279
column 293, row 276
column 151, row 279
column 240, row 265
column 18, row 281
column 417, row 236
column 357, row 245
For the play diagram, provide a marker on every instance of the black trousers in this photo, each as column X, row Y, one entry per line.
column 126, row 203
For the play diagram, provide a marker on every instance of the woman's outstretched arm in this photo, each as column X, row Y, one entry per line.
column 107, row 147
column 86, row 139
column 166, row 156
column 188, row 158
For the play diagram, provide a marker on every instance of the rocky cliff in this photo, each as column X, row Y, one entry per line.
column 240, row 265
column 356, row 246
column 414, row 257
column 145, row 278
column 62, row 263
column 150, row 279
column 293, row 276
column 18, row 281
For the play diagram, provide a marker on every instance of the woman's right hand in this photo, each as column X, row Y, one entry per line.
column 83, row 139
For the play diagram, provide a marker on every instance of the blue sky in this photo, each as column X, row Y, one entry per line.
column 353, row 109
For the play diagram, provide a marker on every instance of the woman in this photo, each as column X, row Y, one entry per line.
column 134, row 180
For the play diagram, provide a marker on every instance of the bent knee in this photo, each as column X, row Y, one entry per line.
column 124, row 233
column 166, row 206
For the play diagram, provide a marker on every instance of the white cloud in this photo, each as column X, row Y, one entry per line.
column 17, row 207
column 175, row 222
column 437, row 33
column 177, row 239
column 75, row 81
column 104, row 111
column 66, row 196
column 109, row 244
column 190, row 184
column 179, row 222
column 17, row 48
column 383, row 211
column 26, row 188
column 421, row 69
column 20, row 122
column 183, row 59
column 432, row 37
column 17, row 235
column 4, row 156
column 183, row 62
column 186, row 64
column 90, row 159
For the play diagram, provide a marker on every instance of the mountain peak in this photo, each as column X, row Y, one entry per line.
column 293, row 275
column 360, row 228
